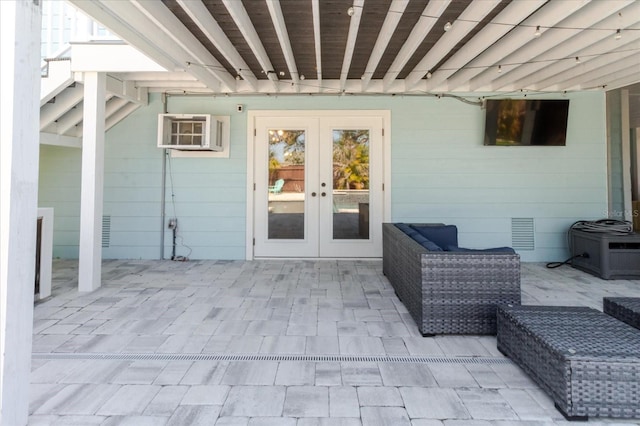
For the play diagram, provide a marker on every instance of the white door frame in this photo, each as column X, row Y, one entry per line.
column 251, row 121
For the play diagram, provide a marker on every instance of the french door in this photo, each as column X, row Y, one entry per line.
column 318, row 186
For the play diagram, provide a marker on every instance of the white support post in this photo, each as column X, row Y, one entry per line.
column 626, row 155
column 20, row 28
column 91, row 202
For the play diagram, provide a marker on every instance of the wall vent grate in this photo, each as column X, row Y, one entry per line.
column 106, row 231
column 274, row 357
column 522, row 233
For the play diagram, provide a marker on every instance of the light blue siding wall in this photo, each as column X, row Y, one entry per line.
column 59, row 187
column 440, row 172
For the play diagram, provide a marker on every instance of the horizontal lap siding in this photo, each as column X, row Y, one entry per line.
column 440, row 172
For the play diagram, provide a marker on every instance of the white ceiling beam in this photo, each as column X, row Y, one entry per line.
column 114, row 105
column 604, row 47
column 549, row 15
column 513, row 14
column 120, row 26
column 243, row 22
column 625, row 70
column 183, row 39
column 60, row 140
column 597, row 77
column 384, row 37
column 67, row 122
column 120, row 114
column 623, row 82
column 185, row 86
column 154, row 76
column 427, row 20
column 66, row 100
column 71, row 123
column 560, row 72
column 126, row 90
column 201, row 16
column 556, row 43
column 146, row 35
column 315, row 8
column 467, row 21
column 354, row 25
column 99, row 57
column 283, row 37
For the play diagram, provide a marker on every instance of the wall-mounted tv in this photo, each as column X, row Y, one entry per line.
column 516, row 122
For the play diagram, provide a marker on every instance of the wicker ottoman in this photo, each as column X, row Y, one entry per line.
column 626, row 309
column 587, row 361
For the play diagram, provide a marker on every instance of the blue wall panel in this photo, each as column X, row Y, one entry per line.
column 440, row 172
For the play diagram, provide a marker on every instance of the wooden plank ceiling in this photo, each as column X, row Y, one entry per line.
column 380, row 46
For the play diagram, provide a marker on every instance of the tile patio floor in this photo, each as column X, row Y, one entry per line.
column 276, row 343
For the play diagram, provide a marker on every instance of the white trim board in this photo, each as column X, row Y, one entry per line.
column 251, row 126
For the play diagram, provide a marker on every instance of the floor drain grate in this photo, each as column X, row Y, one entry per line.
column 273, row 357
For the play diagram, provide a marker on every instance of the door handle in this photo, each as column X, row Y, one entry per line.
column 323, row 184
column 313, row 194
column 324, row 194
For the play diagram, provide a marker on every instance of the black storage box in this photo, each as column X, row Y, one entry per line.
column 610, row 256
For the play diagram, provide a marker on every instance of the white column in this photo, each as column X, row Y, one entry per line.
column 626, row 155
column 90, row 259
column 20, row 27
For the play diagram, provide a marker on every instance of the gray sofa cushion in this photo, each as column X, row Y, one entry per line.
column 488, row 250
column 443, row 236
column 419, row 238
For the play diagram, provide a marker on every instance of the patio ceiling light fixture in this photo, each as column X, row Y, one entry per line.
column 537, row 33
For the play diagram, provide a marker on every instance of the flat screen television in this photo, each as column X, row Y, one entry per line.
column 519, row 122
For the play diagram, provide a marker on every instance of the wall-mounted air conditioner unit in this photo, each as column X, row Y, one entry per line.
column 189, row 132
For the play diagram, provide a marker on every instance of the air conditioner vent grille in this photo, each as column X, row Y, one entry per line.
column 106, row 231
column 522, row 233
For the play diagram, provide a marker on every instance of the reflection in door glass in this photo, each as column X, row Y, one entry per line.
column 286, row 184
column 350, row 184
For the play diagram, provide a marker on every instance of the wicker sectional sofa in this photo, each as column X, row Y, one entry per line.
column 449, row 292
column 626, row 309
column 588, row 362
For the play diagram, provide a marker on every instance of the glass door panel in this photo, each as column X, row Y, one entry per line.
column 286, row 185
column 286, row 190
column 318, row 186
column 350, row 194
column 351, row 166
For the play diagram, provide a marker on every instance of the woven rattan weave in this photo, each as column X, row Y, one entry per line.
column 449, row 292
column 587, row 361
column 626, row 309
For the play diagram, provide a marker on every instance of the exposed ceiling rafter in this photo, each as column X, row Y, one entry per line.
column 315, row 10
column 199, row 14
column 126, row 29
column 354, row 25
column 283, row 37
column 514, row 13
column 473, row 14
column 184, row 40
column 420, row 30
column 553, row 76
column 242, row 20
column 386, row 32
column 64, row 101
column 557, row 43
column 551, row 14
column 381, row 47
